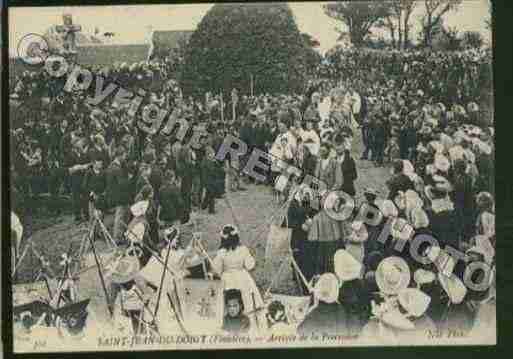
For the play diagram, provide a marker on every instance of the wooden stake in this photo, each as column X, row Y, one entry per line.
column 102, row 280
column 162, row 278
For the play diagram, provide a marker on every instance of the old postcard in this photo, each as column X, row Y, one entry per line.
column 224, row 176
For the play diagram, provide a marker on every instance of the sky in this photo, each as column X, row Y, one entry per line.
column 131, row 23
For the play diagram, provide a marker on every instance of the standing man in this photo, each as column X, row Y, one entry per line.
column 80, row 161
column 171, row 202
column 120, row 191
column 345, row 173
column 356, row 104
column 185, row 165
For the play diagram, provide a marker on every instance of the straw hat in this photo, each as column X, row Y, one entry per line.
column 414, row 301
column 422, row 276
column 347, row 268
column 139, row 208
column 125, row 269
column 454, row 287
column 392, row 275
column 396, row 319
column 327, row 287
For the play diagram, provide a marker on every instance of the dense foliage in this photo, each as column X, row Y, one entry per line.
column 235, row 46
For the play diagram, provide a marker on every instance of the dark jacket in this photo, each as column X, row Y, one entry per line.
column 120, row 189
column 349, row 174
column 171, row 203
column 212, row 175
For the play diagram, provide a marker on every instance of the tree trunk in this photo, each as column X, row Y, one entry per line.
column 406, row 31
column 428, row 31
column 394, row 41
column 400, row 31
column 356, row 37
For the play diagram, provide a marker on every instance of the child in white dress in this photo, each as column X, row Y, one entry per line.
column 233, row 263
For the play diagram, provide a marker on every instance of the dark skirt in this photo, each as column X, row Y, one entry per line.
column 319, row 255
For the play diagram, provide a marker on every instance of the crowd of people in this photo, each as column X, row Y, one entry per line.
column 417, row 113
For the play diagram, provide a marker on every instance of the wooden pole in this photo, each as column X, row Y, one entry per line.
column 222, row 107
column 162, row 278
column 251, row 84
column 233, row 110
column 102, row 280
column 254, row 309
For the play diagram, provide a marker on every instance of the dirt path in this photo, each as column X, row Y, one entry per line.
column 253, row 209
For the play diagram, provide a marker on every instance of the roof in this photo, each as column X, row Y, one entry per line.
column 108, row 54
column 170, row 39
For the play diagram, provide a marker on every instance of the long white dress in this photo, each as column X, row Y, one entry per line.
column 233, row 266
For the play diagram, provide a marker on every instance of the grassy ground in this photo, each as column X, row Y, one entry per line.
column 253, row 209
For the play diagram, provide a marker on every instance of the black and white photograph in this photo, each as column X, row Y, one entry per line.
column 251, row 175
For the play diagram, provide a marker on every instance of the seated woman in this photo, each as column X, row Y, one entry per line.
column 232, row 263
column 235, row 321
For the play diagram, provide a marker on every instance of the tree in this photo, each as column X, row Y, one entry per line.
column 452, row 39
column 391, row 27
column 238, row 44
column 489, row 21
column 312, row 57
column 407, row 6
column 398, row 22
column 359, row 17
column 472, row 39
column 435, row 11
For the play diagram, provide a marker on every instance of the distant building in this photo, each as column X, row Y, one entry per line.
column 105, row 55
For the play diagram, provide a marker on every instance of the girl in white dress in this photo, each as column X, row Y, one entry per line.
column 233, row 263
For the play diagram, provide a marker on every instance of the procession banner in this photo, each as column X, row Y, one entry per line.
column 200, row 304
